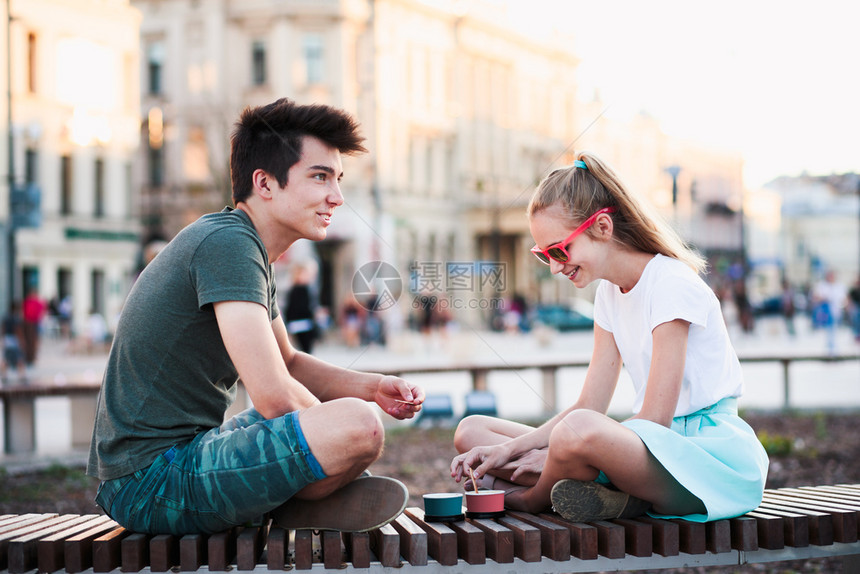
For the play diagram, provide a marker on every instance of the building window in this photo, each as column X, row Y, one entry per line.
column 155, row 65
column 97, row 295
column 313, row 50
column 31, row 165
column 99, row 196
column 66, row 185
column 258, row 63
column 31, row 62
column 156, row 167
column 64, row 283
column 127, row 170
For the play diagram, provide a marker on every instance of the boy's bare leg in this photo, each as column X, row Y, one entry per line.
column 329, row 429
column 345, row 436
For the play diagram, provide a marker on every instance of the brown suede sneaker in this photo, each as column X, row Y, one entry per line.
column 586, row 501
column 366, row 503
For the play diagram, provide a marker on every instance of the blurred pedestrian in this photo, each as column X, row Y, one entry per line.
column 34, row 309
column 854, row 308
column 373, row 327
column 300, row 313
column 351, row 319
column 744, row 306
column 788, row 306
column 13, row 353
column 64, row 316
column 97, row 332
column 829, row 296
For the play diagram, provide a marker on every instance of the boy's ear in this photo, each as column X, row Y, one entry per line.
column 261, row 183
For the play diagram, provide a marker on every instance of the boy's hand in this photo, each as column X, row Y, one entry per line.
column 398, row 397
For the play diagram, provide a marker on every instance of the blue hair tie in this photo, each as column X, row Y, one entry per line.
column 579, row 163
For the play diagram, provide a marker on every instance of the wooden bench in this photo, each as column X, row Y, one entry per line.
column 19, row 412
column 791, row 523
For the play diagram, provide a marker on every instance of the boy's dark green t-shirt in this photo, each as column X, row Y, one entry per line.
column 169, row 376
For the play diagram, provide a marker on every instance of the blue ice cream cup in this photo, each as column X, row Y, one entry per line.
column 443, row 506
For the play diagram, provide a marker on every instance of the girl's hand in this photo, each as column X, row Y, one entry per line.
column 529, row 467
column 480, row 460
column 398, row 397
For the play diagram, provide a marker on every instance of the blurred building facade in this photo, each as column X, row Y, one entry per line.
column 135, row 100
column 462, row 117
column 69, row 70
column 809, row 225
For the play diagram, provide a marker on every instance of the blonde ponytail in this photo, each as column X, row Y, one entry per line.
column 581, row 192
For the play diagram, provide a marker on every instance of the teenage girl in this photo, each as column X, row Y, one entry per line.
column 685, row 452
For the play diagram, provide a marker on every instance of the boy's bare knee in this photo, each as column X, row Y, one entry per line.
column 366, row 433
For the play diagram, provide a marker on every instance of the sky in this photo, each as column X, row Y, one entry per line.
column 777, row 81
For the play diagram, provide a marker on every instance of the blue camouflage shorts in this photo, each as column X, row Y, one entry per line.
column 227, row 476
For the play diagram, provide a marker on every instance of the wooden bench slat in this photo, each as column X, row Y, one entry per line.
column 555, row 539
column 107, row 550
column 6, row 519
column 21, row 552
column 441, row 540
column 163, row 553
column 638, row 537
column 78, row 549
column 527, row 538
column 332, row 549
column 583, row 537
column 770, row 531
column 796, row 525
column 413, row 540
column 744, row 534
column 51, row 549
column 303, row 549
column 692, row 536
column 19, row 528
column 820, row 523
column 610, row 539
column 23, row 521
column 358, row 549
column 844, row 521
column 471, row 543
column 719, row 536
column 814, row 497
column 498, row 540
column 135, row 552
column 249, row 546
column 277, row 548
column 664, row 533
column 837, row 491
column 221, row 548
column 192, row 552
column 385, row 542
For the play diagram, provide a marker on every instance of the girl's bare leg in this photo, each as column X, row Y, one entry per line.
column 479, row 430
column 586, row 442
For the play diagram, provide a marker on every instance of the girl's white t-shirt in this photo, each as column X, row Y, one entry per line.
column 667, row 290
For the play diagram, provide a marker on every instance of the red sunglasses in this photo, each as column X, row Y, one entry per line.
column 558, row 251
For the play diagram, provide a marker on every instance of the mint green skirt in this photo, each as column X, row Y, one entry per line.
column 714, row 454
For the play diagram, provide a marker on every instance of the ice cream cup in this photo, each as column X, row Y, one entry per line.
column 443, row 506
column 485, row 503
